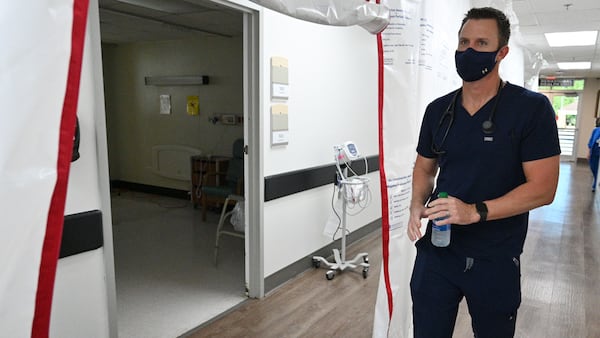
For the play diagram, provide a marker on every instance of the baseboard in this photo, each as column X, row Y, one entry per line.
column 150, row 189
column 280, row 277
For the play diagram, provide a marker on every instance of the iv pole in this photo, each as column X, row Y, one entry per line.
column 339, row 255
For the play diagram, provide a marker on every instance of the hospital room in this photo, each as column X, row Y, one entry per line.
column 249, row 168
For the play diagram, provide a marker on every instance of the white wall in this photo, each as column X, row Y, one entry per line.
column 333, row 99
column 333, row 81
column 132, row 108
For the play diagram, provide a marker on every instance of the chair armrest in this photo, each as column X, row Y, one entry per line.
column 209, row 174
column 236, row 198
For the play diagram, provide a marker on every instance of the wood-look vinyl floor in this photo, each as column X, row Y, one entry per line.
column 560, row 282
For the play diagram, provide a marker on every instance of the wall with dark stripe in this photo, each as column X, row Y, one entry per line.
column 276, row 186
column 280, row 185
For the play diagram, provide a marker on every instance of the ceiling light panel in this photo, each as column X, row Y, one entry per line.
column 574, row 65
column 568, row 39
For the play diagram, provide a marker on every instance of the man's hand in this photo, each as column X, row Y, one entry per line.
column 414, row 222
column 457, row 211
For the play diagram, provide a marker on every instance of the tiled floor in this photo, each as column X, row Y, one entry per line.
column 166, row 279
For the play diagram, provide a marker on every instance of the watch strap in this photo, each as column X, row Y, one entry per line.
column 482, row 210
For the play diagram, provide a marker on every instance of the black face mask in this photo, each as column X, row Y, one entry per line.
column 472, row 65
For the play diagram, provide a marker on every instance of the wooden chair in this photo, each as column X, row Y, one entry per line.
column 231, row 182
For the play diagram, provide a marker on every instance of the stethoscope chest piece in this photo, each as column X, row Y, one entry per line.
column 488, row 127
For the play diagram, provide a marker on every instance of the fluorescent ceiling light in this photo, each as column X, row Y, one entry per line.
column 165, row 6
column 188, row 80
column 574, row 65
column 564, row 39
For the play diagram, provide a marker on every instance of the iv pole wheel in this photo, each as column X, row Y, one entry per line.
column 330, row 274
column 316, row 263
column 366, row 259
column 365, row 273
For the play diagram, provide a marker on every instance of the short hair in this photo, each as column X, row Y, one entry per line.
column 598, row 122
column 491, row 13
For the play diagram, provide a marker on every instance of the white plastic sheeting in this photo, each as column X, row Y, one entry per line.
column 418, row 65
column 34, row 62
column 370, row 16
column 533, row 65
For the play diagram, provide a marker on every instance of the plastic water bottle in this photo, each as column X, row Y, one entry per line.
column 440, row 234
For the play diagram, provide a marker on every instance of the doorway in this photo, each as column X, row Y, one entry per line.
column 566, row 106
column 166, row 280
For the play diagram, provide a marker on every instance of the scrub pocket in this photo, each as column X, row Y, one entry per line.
column 494, row 295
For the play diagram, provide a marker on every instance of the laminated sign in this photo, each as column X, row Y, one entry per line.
column 193, row 105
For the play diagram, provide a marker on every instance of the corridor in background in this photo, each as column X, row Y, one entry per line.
column 564, row 94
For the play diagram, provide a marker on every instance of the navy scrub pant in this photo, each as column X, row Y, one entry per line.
column 594, row 167
column 442, row 278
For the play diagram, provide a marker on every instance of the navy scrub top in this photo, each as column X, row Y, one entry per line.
column 477, row 166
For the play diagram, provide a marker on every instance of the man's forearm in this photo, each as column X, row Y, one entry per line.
column 422, row 185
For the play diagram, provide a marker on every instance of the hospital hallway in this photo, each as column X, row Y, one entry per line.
column 560, row 272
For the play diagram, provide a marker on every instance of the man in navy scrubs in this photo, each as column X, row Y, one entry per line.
column 497, row 150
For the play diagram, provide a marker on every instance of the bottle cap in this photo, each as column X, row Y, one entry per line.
column 442, row 194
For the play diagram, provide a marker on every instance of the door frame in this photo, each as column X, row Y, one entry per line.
column 253, row 182
column 254, row 264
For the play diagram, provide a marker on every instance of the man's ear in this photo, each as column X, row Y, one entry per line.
column 502, row 53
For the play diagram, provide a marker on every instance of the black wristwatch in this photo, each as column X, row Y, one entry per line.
column 482, row 210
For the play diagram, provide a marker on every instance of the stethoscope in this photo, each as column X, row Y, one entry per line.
column 487, row 126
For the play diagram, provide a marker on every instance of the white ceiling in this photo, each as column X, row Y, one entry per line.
column 144, row 20
column 536, row 17
column 123, row 21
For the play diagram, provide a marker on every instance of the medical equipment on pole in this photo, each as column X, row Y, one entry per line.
column 354, row 191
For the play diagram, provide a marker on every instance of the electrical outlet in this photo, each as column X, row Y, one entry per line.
column 228, row 119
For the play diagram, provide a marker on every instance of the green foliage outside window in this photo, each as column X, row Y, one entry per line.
column 558, row 102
